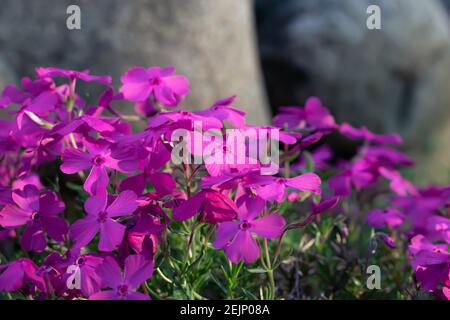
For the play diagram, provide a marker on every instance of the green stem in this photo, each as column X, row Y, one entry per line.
column 269, row 270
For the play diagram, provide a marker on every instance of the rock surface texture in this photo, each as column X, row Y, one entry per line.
column 393, row 79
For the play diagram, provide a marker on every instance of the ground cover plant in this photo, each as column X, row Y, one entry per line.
column 203, row 205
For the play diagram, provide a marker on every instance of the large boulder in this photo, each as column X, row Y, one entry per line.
column 393, row 79
column 210, row 41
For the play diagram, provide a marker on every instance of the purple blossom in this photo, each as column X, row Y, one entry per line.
column 274, row 188
column 123, row 285
column 100, row 157
column 139, row 83
column 39, row 212
column 390, row 217
column 214, row 207
column 100, row 218
column 237, row 237
column 72, row 75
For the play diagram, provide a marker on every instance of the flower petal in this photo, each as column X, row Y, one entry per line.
column 138, row 269
column 123, row 205
column 84, row 230
column 225, row 233
column 244, row 247
column 97, row 181
column 75, row 160
column 111, row 235
column 270, row 226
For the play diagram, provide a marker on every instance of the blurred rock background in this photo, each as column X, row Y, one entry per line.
column 268, row 52
column 393, row 79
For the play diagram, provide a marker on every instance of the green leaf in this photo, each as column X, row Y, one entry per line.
column 257, row 270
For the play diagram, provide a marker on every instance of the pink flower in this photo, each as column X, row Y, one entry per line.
column 137, row 270
column 274, row 188
column 391, row 217
column 365, row 134
column 100, row 218
column 39, row 211
column 236, row 237
column 90, row 281
column 223, row 111
column 100, row 157
column 430, row 262
column 17, row 273
column 314, row 116
column 138, row 84
column 72, row 75
column 214, row 207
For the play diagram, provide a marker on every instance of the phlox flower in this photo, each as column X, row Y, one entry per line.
column 100, row 218
column 431, row 262
column 84, row 75
column 365, row 134
column 39, row 212
column 100, row 157
column 139, row 83
column 314, row 116
column 237, row 237
column 223, row 111
column 90, row 281
column 123, row 285
column 17, row 273
column 214, row 207
column 390, row 217
column 274, row 188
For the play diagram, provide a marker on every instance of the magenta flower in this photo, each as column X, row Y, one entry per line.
column 100, row 218
column 137, row 270
column 430, row 262
column 17, row 273
column 100, row 157
column 313, row 117
column 391, row 217
column 365, row 134
column 236, row 237
column 223, row 111
column 39, row 211
column 438, row 228
column 274, row 188
column 72, row 75
column 90, row 281
column 139, row 83
column 214, row 207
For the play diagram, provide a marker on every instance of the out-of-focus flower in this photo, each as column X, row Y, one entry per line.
column 139, row 83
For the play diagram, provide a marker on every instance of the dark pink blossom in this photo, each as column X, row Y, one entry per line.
column 100, row 157
column 139, row 83
column 39, row 212
column 213, row 206
column 274, row 188
column 237, row 237
column 390, row 217
column 124, row 285
column 72, row 75
column 100, row 218
column 17, row 273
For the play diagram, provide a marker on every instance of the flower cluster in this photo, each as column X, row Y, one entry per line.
column 96, row 205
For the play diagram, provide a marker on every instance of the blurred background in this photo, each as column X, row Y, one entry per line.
column 268, row 52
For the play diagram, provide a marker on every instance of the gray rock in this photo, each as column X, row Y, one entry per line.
column 393, row 79
column 209, row 41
